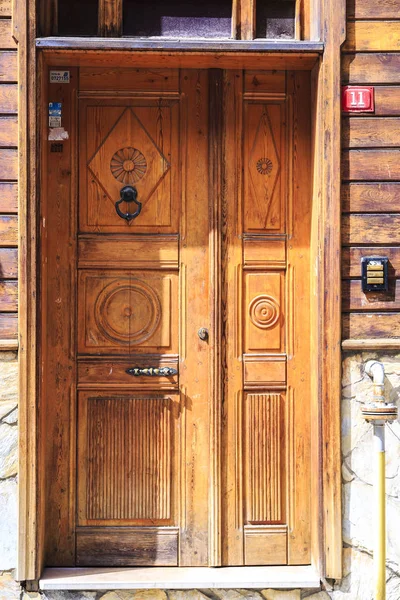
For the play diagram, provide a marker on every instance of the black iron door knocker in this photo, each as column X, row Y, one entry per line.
column 128, row 194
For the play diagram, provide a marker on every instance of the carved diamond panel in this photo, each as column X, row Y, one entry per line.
column 129, row 145
column 263, row 203
column 127, row 311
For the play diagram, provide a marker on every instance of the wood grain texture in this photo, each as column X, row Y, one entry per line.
column 8, row 164
column 9, row 98
column 377, row 36
column 351, row 257
column 354, row 299
column 247, row 19
column 265, row 545
column 139, row 80
column 6, row 8
column 8, row 197
column 264, row 458
column 8, row 131
column 370, row 133
column 361, row 325
column 125, row 452
column 58, row 231
column 110, row 18
column 8, row 66
column 8, row 263
column 8, row 296
column 130, row 547
column 371, row 165
column 8, row 326
column 6, row 39
column 368, row 229
column 8, row 230
column 369, row 9
column 371, row 197
column 48, row 17
column 370, row 68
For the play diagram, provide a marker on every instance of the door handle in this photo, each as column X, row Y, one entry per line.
column 152, row 371
column 128, row 194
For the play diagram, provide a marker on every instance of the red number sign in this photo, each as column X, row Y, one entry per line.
column 357, row 99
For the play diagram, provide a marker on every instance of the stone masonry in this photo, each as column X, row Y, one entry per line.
column 357, row 472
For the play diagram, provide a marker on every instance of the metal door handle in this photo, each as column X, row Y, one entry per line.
column 128, row 194
column 152, row 371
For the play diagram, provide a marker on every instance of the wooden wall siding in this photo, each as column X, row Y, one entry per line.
column 371, row 168
column 8, row 176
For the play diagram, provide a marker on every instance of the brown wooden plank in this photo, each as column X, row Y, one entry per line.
column 247, row 19
column 8, row 66
column 8, row 197
column 371, row 165
column 8, row 296
column 8, row 131
column 361, row 325
column 8, row 263
column 8, row 326
column 6, row 8
column 6, row 39
column 8, row 98
column 132, row 546
column 8, row 164
column 113, row 79
column 370, row 229
column 371, row 68
column 370, row 9
column 370, row 133
column 379, row 36
column 354, row 299
column 351, row 259
column 298, row 61
column 371, row 197
column 8, row 230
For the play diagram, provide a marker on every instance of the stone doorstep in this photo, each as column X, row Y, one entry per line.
column 178, row 578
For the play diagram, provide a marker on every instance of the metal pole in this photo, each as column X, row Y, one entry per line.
column 380, row 513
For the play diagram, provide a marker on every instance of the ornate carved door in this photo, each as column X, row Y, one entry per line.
column 190, row 351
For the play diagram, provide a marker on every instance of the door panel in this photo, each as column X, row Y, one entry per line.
column 191, row 450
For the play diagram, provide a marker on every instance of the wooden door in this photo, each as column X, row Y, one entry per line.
column 183, row 420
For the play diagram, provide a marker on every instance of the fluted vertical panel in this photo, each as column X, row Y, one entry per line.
column 128, row 459
column 263, row 458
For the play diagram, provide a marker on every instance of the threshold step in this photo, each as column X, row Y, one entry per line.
column 179, row 578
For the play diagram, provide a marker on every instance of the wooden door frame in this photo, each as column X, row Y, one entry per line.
column 327, row 542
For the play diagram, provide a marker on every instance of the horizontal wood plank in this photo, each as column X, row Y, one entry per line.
column 8, row 197
column 354, row 299
column 370, row 325
column 113, row 79
column 6, row 39
column 371, row 68
column 8, row 98
column 371, row 133
column 8, row 263
column 379, row 36
column 370, row 229
column 371, row 9
column 8, row 296
column 371, row 165
column 8, row 326
column 8, row 164
column 8, row 230
column 8, row 131
column 371, row 197
column 8, row 66
column 371, row 344
column 5, row 8
column 351, row 259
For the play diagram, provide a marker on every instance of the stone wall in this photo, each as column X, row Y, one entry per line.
column 358, row 502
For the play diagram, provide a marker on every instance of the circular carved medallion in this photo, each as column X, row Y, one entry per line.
column 264, row 166
column 264, row 311
column 127, row 313
column 128, row 165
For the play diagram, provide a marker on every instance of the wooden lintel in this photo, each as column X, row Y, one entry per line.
column 377, row 344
